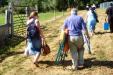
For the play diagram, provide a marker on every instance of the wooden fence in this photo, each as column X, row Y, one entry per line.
column 6, row 29
column 4, row 33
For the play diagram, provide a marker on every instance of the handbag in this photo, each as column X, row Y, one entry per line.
column 106, row 26
column 45, row 48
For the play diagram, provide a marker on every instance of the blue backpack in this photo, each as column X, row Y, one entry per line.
column 32, row 30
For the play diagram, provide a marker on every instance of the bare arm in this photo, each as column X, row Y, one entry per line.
column 86, row 17
column 38, row 25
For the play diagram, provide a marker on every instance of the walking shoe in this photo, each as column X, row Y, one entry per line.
column 71, row 68
column 80, row 67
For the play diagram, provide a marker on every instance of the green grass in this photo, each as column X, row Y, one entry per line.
column 42, row 16
column 2, row 19
column 48, row 16
column 99, row 63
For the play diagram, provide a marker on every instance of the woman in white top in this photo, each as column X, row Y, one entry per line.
column 34, row 42
column 91, row 21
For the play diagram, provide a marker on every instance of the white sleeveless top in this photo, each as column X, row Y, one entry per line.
column 31, row 20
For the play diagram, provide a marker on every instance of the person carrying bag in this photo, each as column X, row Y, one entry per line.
column 34, row 37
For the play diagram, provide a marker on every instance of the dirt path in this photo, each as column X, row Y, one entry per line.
column 100, row 63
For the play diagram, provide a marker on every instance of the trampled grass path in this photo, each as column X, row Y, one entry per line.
column 100, row 63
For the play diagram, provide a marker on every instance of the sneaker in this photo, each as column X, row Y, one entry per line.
column 80, row 67
column 71, row 68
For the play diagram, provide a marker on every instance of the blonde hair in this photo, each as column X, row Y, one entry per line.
column 33, row 14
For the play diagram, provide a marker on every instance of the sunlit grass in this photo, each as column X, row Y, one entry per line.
column 42, row 16
column 101, row 44
column 2, row 19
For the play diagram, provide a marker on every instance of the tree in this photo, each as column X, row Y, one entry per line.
column 61, row 4
column 3, row 2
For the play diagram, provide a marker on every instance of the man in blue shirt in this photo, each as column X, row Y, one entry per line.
column 75, row 25
column 109, row 12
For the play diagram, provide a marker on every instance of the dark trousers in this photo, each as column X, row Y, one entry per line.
column 110, row 20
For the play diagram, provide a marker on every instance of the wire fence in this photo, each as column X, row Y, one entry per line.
column 105, row 5
column 15, row 23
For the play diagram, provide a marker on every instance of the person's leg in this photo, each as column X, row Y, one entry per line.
column 90, row 30
column 111, row 24
column 80, row 51
column 36, row 57
column 92, row 26
column 26, row 52
column 74, row 53
column 37, row 48
column 29, row 46
column 81, row 57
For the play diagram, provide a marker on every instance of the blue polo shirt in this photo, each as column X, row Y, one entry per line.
column 75, row 24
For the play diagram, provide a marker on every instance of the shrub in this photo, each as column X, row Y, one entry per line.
column 2, row 9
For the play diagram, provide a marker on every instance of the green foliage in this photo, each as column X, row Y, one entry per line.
column 2, row 9
column 3, row 3
column 47, row 5
column 61, row 4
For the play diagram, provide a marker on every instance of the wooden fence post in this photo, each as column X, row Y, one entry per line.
column 10, row 9
column 36, row 7
column 6, row 17
column 27, row 10
column 7, row 21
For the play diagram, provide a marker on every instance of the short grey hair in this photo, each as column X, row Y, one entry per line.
column 74, row 11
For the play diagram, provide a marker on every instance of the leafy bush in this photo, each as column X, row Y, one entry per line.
column 2, row 9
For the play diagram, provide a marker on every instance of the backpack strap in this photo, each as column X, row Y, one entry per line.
column 33, row 21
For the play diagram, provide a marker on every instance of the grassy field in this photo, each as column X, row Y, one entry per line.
column 2, row 19
column 47, row 16
column 42, row 16
column 100, row 62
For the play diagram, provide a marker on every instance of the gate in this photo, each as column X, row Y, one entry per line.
column 19, row 19
column 19, row 22
column 14, row 30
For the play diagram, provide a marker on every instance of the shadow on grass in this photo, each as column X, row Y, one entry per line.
column 88, row 63
column 8, row 54
column 101, row 33
column 49, row 63
column 10, row 43
column 93, row 62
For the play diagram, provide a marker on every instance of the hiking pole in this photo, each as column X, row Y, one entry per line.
column 59, row 54
column 62, row 49
column 87, row 41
